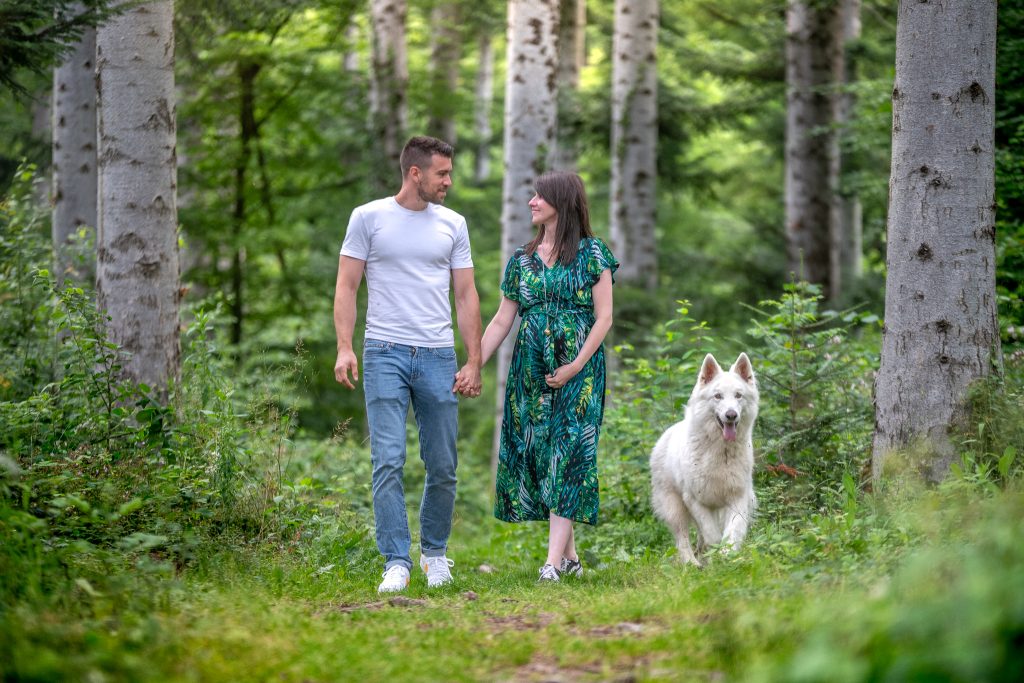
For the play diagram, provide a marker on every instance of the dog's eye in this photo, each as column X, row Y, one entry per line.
column 739, row 395
column 718, row 397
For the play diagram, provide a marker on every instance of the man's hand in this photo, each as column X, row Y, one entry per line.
column 467, row 381
column 346, row 363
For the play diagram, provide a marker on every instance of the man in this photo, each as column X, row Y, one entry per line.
column 411, row 248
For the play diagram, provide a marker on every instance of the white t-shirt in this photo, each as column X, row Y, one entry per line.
column 409, row 259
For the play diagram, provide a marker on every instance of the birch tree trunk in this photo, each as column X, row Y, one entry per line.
column 137, row 232
column 849, row 248
column 445, row 52
column 571, row 52
column 813, row 53
column 941, row 331
column 634, row 140
column 482, row 112
column 389, row 77
column 530, row 90
column 74, row 153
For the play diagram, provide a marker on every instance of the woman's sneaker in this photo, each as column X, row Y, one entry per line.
column 571, row 567
column 396, row 579
column 437, row 569
column 548, row 573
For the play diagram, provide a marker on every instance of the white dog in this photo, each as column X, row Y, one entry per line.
column 702, row 467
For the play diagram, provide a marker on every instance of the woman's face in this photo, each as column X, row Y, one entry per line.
column 541, row 212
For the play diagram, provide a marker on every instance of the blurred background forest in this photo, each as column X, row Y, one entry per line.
column 279, row 92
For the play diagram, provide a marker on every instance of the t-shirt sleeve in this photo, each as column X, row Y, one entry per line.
column 599, row 259
column 510, row 283
column 462, row 257
column 357, row 237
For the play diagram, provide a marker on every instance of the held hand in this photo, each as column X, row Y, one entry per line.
column 346, row 363
column 467, row 381
column 561, row 376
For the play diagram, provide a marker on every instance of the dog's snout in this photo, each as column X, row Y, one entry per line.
column 731, row 415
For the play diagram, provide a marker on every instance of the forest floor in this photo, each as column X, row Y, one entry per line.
column 916, row 587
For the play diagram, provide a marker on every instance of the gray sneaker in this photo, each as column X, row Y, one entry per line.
column 571, row 567
column 548, row 573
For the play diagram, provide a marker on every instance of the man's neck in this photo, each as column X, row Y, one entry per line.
column 409, row 198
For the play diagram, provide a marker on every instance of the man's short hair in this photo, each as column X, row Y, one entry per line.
column 420, row 150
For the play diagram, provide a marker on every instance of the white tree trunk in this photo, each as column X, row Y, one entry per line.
column 530, row 90
column 813, row 52
column 74, row 151
column 484, row 102
column 941, row 331
column 445, row 52
column 137, row 231
column 389, row 77
column 634, row 140
column 571, row 52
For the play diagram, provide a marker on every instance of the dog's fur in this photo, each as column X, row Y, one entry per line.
column 702, row 467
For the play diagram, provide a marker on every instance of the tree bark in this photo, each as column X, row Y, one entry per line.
column 941, row 331
column 813, row 60
column 530, row 111
column 137, row 236
column 445, row 52
column 388, row 82
column 571, row 53
column 634, row 140
column 847, row 262
column 484, row 103
column 74, row 154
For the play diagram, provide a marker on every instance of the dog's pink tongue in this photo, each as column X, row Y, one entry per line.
column 729, row 432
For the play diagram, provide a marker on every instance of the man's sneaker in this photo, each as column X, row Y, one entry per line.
column 571, row 567
column 548, row 573
column 437, row 569
column 395, row 579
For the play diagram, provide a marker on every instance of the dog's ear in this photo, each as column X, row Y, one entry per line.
column 709, row 369
column 743, row 368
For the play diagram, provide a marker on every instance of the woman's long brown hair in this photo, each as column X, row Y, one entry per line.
column 565, row 192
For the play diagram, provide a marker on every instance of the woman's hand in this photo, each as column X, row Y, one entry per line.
column 561, row 376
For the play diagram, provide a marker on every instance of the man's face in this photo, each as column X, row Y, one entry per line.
column 434, row 181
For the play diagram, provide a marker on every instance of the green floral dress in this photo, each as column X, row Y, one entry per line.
column 547, row 461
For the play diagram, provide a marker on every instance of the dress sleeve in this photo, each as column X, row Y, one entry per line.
column 510, row 283
column 599, row 259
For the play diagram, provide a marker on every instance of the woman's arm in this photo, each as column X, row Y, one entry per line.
column 497, row 329
column 602, row 323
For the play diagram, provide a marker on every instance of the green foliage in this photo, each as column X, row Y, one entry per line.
column 816, row 378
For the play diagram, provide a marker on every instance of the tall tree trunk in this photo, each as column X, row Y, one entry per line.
column 445, row 51
column 529, row 126
column 137, row 240
column 74, row 154
column 634, row 140
column 571, row 53
column 484, row 102
column 813, row 51
column 247, row 72
column 941, row 331
column 389, row 76
column 848, row 266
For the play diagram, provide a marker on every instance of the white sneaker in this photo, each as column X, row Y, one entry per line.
column 438, row 570
column 395, row 579
column 549, row 573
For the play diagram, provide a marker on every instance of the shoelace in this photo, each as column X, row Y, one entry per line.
column 393, row 571
column 439, row 564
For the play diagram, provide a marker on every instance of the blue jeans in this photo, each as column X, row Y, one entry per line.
column 393, row 376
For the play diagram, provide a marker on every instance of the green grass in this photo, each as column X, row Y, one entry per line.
column 935, row 595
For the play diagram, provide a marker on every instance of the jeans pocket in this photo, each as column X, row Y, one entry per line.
column 376, row 346
column 444, row 352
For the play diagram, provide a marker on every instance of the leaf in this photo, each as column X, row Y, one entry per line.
column 1006, row 461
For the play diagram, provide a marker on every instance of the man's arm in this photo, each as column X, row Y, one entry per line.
column 350, row 274
column 467, row 310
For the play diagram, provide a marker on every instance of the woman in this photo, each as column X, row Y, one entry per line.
column 561, row 285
